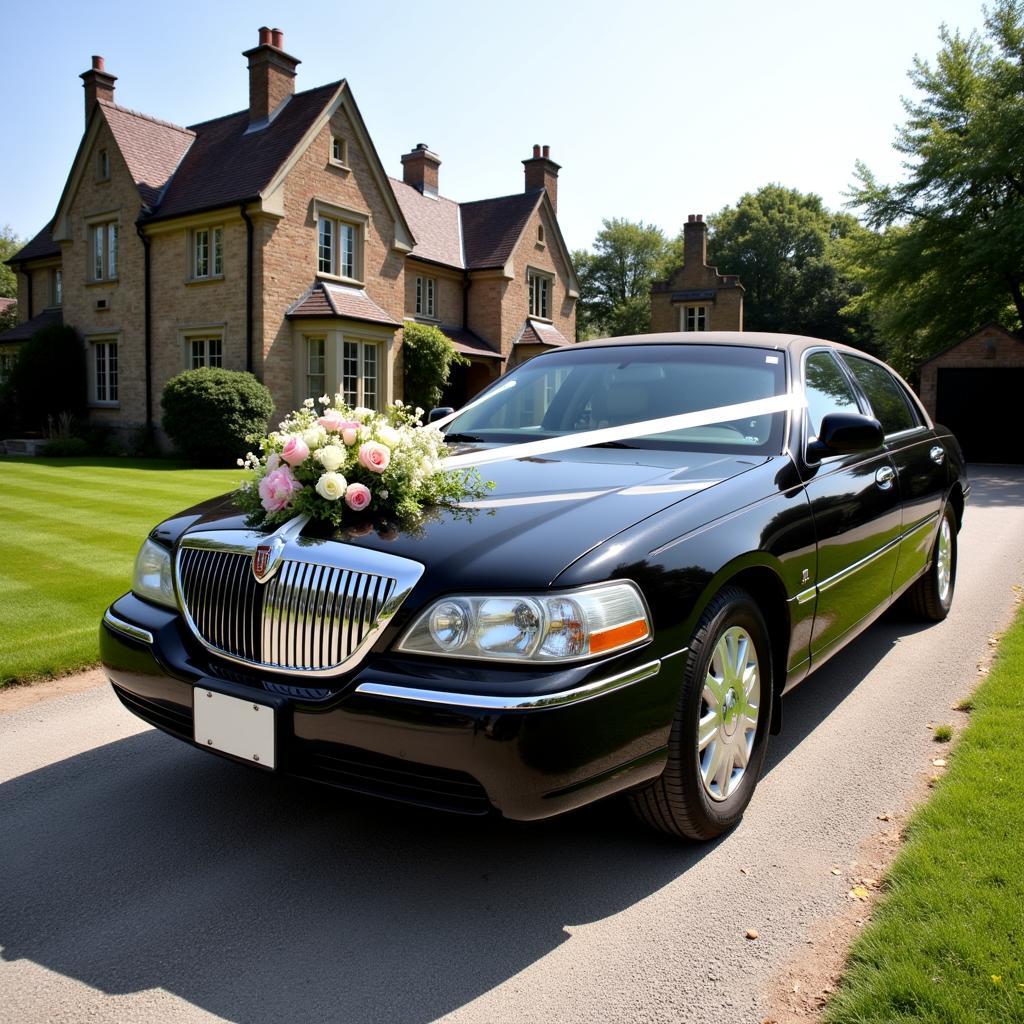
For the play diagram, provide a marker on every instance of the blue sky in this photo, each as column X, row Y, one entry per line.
column 654, row 109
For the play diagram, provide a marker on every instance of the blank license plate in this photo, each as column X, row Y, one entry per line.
column 234, row 726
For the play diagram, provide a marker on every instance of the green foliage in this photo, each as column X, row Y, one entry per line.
column 791, row 254
column 10, row 243
column 428, row 355
column 943, row 733
column 49, row 377
column 9, row 317
column 615, row 279
column 65, row 448
column 952, row 256
column 209, row 413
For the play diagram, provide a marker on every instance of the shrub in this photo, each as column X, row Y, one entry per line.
column 65, row 448
column 428, row 355
column 209, row 413
column 48, row 378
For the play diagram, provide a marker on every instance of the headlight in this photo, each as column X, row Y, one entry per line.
column 562, row 626
column 152, row 579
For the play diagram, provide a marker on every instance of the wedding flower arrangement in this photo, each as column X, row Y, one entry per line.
column 339, row 464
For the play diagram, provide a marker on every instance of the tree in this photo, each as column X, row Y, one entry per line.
column 615, row 279
column 48, row 377
column 792, row 256
column 428, row 356
column 10, row 243
column 9, row 317
column 952, row 254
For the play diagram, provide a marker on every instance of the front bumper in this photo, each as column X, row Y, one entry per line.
column 414, row 731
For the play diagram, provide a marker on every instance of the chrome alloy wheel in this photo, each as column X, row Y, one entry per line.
column 728, row 713
column 944, row 560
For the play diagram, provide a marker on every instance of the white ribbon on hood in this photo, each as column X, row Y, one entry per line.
column 603, row 435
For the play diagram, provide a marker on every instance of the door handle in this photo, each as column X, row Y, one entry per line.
column 937, row 454
column 884, row 477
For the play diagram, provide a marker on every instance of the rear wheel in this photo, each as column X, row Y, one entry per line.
column 931, row 597
column 720, row 729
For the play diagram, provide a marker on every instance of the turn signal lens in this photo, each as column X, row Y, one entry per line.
column 565, row 626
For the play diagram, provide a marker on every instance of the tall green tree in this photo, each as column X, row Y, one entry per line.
column 10, row 243
column 790, row 252
column 615, row 278
column 952, row 256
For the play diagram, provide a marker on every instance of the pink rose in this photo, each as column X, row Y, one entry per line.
column 331, row 420
column 277, row 489
column 273, row 462
column 349, row 435
column 295, row 451
column 374, row 457
column 357, row 497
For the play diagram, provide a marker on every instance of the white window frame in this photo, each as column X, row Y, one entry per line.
column 539, row 287
column 204, row 348
column 206, row 253
column 339, row 151
column 333, row 224
column 103, row 250
column 104, row 372
column 57, row 286
column 366, row 359
column 426, row 296
column 314, row 363
column 695, row 315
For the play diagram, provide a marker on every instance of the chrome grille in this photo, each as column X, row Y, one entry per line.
column 317, row 614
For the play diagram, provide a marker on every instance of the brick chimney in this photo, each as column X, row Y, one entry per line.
column 271, row 75
column 419, row 169
column 542, row 172
column 99, row 85
column 695, row 241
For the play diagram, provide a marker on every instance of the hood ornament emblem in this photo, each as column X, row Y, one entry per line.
column 266, row 559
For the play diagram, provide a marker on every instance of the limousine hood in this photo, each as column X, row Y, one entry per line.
column 541, row 515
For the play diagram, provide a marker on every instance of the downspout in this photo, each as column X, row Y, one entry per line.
column 248, row 285
column 146, row 326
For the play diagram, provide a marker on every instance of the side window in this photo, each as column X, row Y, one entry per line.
column 888, row 400
column 827, row 389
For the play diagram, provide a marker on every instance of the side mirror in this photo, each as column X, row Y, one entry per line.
column 845, row 433
column 439, row 413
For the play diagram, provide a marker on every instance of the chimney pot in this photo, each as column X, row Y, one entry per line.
column 695, row 241
column 536, row 151
column 277, row 38
column 690, row 219
column 271, row 75
column 546, row 151
column 700, row 216
column 97, row 63
column 542, row 172
column 264, row 36
column 99, row 85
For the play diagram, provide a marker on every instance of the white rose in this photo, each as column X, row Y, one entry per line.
column 389, row 435
column 360, row 412
column 314, row 437
column 349, row 435
column 331, row 486
column 331, row 457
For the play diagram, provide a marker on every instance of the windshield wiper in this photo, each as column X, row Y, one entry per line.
column 613, row 444
column 462, row 437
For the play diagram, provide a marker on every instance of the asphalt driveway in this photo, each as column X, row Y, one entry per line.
column 141, row 880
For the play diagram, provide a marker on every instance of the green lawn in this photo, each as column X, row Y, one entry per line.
column 947, row 942
column 69, row 532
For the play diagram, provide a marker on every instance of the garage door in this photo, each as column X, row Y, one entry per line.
column 985, row 409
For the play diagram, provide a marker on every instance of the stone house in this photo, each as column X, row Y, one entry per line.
column 697, row 297
column 273, row 240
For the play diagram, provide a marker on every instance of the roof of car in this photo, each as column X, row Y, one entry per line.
column 750, row 339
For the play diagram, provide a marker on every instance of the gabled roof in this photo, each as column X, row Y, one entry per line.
column 469, row 344
column 991, row 326
column 39, row 247
column 228, row 164
column 535, row 332
column 323, row 300
column 434, row 221
column 48, row 317
column 491, row 227
column 152, row 149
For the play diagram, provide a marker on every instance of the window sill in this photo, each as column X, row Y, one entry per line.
column 212, row 279
column 100, row 282
column 334, row 279
column 542, row 319
column 104, row 405
column 331, row 162
column 426, row 318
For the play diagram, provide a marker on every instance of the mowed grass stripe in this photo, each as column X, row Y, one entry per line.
column 69, row 532
column 945, row 944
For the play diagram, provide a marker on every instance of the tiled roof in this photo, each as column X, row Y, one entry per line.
column 23, row 332
column 536, row 333
column 491, row 227
column 40, row 246
column 323, row 299
column 434, row 222
column 152, row 149
column 469, row 344
column 225, row 164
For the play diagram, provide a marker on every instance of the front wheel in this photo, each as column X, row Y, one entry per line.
column 931, row 597
column 720, row 729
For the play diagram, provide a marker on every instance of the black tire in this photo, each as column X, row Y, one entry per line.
column 928, row 600
column 678, row 802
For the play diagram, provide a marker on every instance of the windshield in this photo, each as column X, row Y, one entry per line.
column 578, row 389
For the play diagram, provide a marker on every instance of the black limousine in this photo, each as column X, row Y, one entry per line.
column 705, row 571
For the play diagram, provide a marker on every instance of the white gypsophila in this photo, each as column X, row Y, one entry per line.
column 331, row 457
column 389, row 436
column 314, row 437
column 325, row 399
column 361, row 413
column 331, row 486
column 308, row 403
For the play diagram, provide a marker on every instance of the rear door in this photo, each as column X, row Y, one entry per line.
column 919, row 457
column 856, row 507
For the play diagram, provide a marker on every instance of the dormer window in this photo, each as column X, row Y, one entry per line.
column 539, row 286
column 207, row 253
column 102, row 165
column 339, row 151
